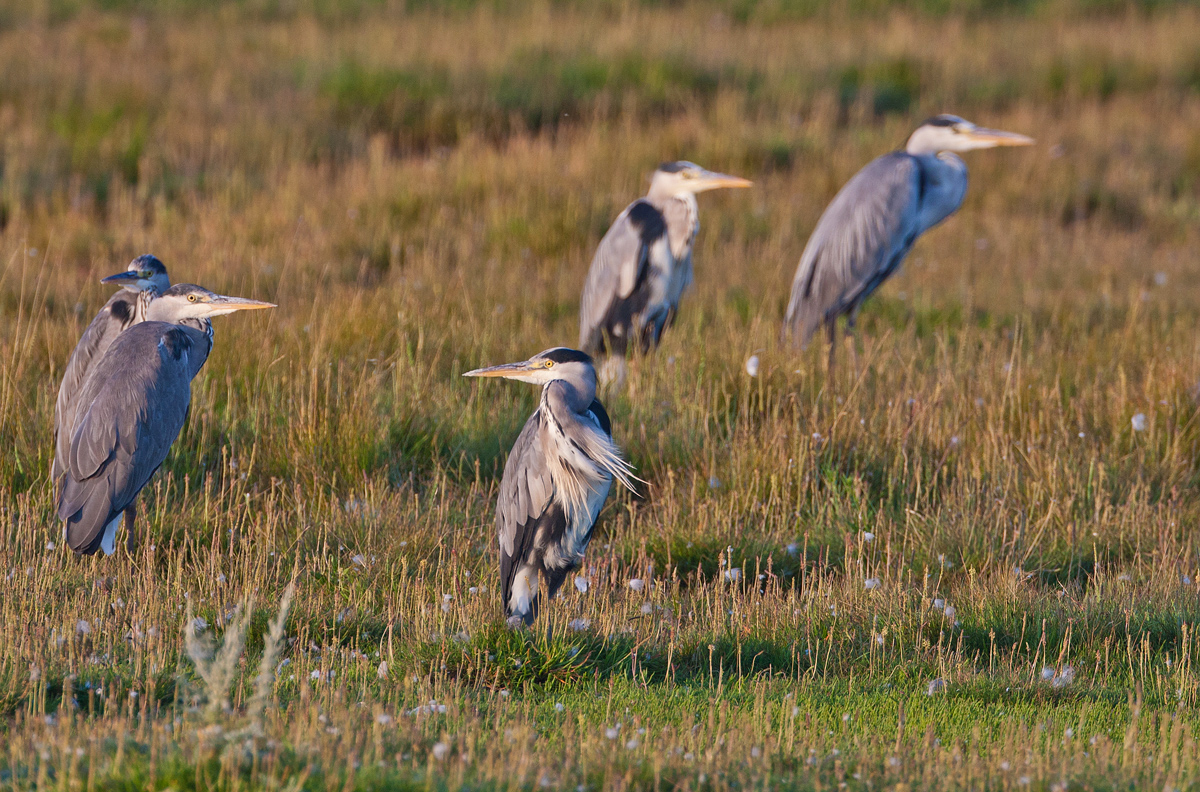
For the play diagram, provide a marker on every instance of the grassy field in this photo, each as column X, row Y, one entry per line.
column 964, row 567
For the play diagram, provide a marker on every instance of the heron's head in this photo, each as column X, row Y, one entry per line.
column 144, row 272
column 189, row 301
column 951, row 133
column 679, row 178
column 559, row 363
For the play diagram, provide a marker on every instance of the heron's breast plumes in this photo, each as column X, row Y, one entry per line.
column 583, row 459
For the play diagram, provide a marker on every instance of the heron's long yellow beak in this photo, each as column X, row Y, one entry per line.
column 718, row 181
column 504, row 370
column 242, row 303
column 998, row 137
column 222, row 304
column 125, row 276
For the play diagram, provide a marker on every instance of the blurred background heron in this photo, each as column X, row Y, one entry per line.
column 144, row 279
column 130, row 410
column 873, row 221
column 556, row 479
column 644, row 263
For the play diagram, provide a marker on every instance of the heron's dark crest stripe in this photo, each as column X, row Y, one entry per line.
column 567, row 355
column 149, row 262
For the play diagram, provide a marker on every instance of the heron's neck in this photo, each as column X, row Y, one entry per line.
column 568, row 401
column 685, row 199
column 200, row 333
column 203, row 326
column 682, row 213
column 141, row 303
column 945, row 185
column 579, row 454
column 927, row 140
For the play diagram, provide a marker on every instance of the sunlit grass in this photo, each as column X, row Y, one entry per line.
column 966, row 564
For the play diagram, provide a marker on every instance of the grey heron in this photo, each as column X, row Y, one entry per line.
column 644, row 263
column 130, row 410
column 873, row 221
column 141, row 282
column 556, row 479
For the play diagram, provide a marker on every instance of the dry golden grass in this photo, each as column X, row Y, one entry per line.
column 406, row 188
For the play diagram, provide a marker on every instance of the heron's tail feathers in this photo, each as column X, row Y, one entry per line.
column 86, row 517
column 802, row 320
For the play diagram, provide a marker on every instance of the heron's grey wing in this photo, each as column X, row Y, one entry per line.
column 130, row 411
column 94, row 342
column 526, row 492
column 859, row 241
column 618, row 268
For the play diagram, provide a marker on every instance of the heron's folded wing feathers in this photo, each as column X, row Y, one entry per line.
column 92, row 345
column 526, row 492
column 617, row 268
column 869, row 221
column 526, row 488
column 129, row 413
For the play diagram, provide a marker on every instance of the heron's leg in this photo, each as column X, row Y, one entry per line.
column 831, row 332
column 852, row 337
column 653, row 330
column 522, row 605
column 555, row 577
column 131, row 537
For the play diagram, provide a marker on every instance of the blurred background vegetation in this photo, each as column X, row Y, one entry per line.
column 317, row 81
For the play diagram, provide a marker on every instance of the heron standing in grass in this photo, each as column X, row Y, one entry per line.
column 644, row 262
column 872, row 223
column 130, row 410
column 142, row 281
column 556, row 479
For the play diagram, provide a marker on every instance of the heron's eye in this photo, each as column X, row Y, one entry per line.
column 144, row 274
column 191, row 298
column 549, row 364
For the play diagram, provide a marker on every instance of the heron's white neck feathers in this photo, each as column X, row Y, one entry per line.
column 141, row 306
column 683, row 222
column 581, row 457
